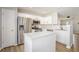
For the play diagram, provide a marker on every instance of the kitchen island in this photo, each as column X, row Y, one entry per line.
column 40, row 42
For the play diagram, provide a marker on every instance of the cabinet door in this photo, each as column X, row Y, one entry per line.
column 9, row 25
column 61, row 36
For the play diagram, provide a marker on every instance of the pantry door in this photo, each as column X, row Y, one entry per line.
column 9, row 27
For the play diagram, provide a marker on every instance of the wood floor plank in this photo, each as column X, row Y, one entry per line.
column 62, row 48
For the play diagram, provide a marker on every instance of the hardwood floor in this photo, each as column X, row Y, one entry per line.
column 62, row 48
column 20, row 48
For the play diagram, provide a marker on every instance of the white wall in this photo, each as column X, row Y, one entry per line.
column 75, row 24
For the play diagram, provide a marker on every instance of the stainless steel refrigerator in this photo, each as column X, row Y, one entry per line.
column 24, row 25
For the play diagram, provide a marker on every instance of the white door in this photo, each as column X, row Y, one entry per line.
column 9, row 23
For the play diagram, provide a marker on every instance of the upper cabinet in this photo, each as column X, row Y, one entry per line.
column 46, row 20
column 55, row 19
column 50, row 19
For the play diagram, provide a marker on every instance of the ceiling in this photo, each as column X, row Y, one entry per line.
column 42, row 11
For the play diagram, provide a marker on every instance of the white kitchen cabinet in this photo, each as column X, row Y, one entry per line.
column 46, row 20
column 55, row 19
column 65, row 36
column 40, row 42
column 8, row 27
column 61, row 36
column 50, row 19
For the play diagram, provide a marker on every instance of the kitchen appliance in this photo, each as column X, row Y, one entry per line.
column 36, row 26
column 24, row 26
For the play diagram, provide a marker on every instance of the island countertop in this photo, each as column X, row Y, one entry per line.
column 38, row 34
